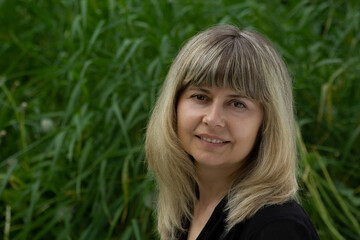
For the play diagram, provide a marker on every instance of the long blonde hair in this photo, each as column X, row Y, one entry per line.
column 248, row 63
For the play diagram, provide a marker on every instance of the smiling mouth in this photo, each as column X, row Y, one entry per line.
column 211, row 140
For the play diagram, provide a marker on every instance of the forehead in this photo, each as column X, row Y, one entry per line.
column 216, row 90
column 241, row 74
column 239, row 61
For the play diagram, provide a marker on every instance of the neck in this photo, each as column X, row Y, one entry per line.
column 214, row 183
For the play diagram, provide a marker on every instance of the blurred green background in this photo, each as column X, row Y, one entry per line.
column 78, row 79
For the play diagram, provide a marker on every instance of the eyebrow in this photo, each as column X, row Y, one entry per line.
column 195, row 88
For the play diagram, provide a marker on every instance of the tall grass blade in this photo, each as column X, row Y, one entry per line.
column 12, row 164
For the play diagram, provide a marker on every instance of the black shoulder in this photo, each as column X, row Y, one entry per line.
column 285, row 221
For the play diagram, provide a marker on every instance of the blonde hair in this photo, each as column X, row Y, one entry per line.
column 247, row 62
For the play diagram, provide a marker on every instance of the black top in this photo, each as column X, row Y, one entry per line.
column 273, row 222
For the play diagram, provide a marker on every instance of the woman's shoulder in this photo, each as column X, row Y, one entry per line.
column 283, row 221
column 290, row 210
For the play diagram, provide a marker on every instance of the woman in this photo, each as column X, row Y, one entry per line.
column 221, row 142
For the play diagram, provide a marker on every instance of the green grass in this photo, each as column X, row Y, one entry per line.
column 78, row 80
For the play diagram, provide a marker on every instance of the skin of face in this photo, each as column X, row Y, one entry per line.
column 217, row 126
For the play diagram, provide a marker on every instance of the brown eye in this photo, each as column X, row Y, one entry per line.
column 199, row 97
column 238, row 104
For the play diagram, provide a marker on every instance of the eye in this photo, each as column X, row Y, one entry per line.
column 199, row 97
column 238, row 104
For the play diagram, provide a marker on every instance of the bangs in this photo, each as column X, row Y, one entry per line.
column 231, row 61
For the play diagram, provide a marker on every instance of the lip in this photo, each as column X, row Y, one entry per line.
column 220, row 142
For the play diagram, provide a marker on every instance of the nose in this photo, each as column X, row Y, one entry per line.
column 214, row 116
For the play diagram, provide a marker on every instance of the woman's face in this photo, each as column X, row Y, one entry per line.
column 217, row 126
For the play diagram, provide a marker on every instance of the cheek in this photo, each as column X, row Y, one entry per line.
column 248, row 132
column 187, row 122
